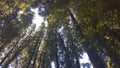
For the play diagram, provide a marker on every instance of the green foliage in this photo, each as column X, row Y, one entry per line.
column 92, row 24
column 94, row 18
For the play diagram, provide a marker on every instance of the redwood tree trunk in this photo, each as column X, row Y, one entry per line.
column 95, row 59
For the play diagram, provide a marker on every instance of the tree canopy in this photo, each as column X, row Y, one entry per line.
column 74, row 27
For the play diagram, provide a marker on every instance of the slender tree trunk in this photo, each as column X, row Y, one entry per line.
column 77, row 62
column 16, row 63
column 13, row 47
column 95, row 59
column 43, row 60
column 56, row 50
column 4, row 45
column 9, row 52
column 57, row 57
column 69, row 63
column 28, row 64
column 75, row 22
column 34, row 63
column 16, row 53
column 5, row 65
column 34, row 53
column 40, row 61
column 76, row 55
column 97, row 63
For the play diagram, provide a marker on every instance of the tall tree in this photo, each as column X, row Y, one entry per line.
column 74, row 26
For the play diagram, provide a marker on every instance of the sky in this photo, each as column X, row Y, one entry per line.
column 37, row 19
column 85, row 59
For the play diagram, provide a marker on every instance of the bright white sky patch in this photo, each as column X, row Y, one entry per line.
column 52, row 65
column 20, row 12
column 37, row 19
column 85, row 59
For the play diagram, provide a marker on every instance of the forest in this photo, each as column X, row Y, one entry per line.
column 67, row 30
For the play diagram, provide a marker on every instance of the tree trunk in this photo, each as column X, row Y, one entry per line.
column 9, row 52
column 57, row 57
column 56, row 50
column 16, row 63
column 28, row 63
column 75, row 22
column 77, row 62
column 16, row 53
column 76, row 55
column 95, row 59
column 40, row 61
column 34, row 53
column 34, row 63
